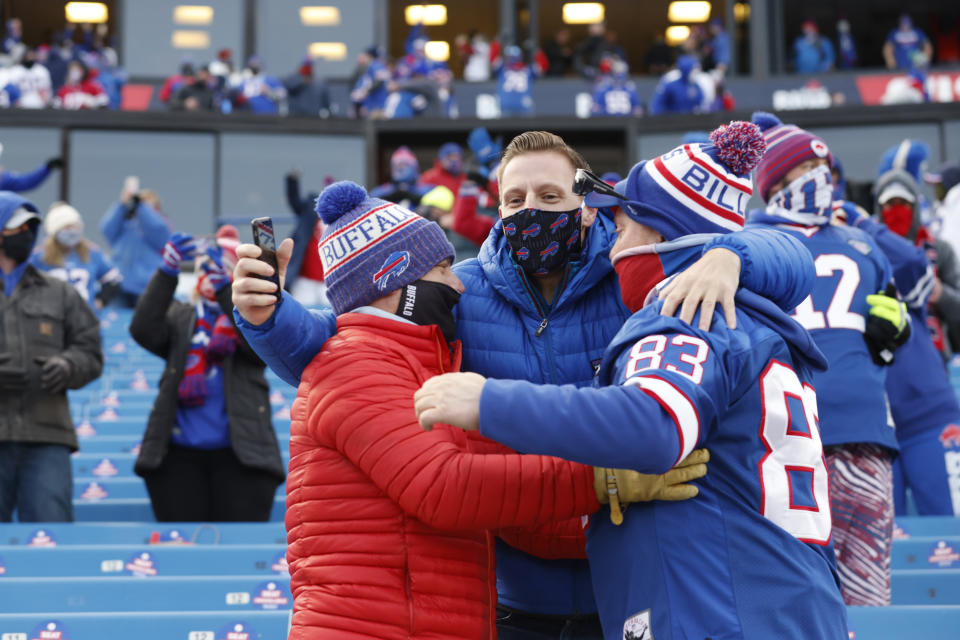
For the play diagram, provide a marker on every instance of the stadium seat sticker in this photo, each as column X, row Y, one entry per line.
column 141, row 564
column 93, row 491
column 943, row 554
column 637, row 627
column 237, row 631
column 42, row 538
column 50, row 630
column 270, row 595
column 279, row 564
column 3, row 566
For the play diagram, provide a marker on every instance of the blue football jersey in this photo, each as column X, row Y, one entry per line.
column 613, row 99
column 850, row 394
column 515, row 88
column 749, row 557
column 87, row 276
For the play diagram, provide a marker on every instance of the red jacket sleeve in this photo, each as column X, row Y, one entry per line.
column 360, row 402
column 467, row 222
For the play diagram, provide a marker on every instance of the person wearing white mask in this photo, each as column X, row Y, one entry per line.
column 67, row 255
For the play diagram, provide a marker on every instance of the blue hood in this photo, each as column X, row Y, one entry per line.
column 502, row 272
column 10, row 202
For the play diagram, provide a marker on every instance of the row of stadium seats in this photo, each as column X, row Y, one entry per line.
column 203, row 582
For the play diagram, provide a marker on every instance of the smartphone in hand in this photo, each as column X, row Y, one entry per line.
column 264, row 238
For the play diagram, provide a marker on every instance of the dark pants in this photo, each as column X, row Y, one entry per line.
column 125, row 300
column 196, row 485
column 517, row 625
column 36, row 481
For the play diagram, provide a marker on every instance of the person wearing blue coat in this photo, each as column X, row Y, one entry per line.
column 677, row 91
column 528, row 315
column 136, row 233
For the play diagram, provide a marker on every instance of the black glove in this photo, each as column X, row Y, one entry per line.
column 54, row 373
column 888, row 325
column 55, row 163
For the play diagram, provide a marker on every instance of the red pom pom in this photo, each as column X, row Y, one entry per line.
column 740, row 146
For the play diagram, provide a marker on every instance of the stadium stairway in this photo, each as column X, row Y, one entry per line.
column 116, row 574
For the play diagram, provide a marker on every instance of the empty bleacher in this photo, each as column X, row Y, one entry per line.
column 115, row 573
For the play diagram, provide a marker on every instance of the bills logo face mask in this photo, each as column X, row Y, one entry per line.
column 807, row 200
column 543, row 241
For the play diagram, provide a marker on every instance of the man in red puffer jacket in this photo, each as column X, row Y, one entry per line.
column 388, row 525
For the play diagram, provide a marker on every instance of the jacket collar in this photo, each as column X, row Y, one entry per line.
column 501, row 271
column 425, row 344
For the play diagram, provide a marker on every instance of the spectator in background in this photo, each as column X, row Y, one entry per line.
column 912, row 156
column 678, row 91
column 475, row 51
column 207, row 455
column 898, row 206
column 222, row 67
column 907, row 47
column 946, row 188
column 258, row 92
column 405, row 187
column 660, row 56
column 19, row 182
column 437, row 206
column 447, row 169
column 715, row 52
column 70, row 257
column 614, row 93
column 306, row 96
column 559, row 54
column 305, row 271
column 845, row 45
column 515, row 83
column 33, row 81
column 137, row 234
column 50, row 342
column 58, row 59
column 369, row 93
column 111, row 76
column 9, row 92
column 811, row 52
column 591, row 51
column 197, row 94
column 81, row 90
column 12, row 48
column 174, row 82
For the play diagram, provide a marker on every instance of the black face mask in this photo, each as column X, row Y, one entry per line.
column 18, row 246
column 425, row 302
column 542, row 241
column 27, row 63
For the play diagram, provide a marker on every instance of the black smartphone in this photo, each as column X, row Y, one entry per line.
column 264, row 238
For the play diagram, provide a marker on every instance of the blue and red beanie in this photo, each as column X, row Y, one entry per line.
column 696, row 188
column 787, row 146
column 372, row 247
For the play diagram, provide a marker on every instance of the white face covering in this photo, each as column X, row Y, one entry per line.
column 807, row 200
column 69, row 237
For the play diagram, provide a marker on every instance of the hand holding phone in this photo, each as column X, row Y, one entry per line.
column 263, row 237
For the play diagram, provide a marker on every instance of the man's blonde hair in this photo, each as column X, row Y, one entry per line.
column 531, row 141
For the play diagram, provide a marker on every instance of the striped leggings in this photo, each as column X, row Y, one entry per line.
column 861, row 503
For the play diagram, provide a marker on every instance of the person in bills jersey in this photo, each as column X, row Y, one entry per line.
column 858, row 331
column 766, row 569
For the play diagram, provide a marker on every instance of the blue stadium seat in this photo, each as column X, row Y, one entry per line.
column 926, row 586
column 135, row 533
column 93, row 561
column 926, row 552
column 929, row 525
column 138, row 510
column 166, row 625
column 902, row 622
column 239, row 593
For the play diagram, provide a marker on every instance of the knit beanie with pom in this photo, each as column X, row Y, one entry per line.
column 372, row 247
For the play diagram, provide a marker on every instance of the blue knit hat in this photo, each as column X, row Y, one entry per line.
column 696, row 188
column 372, row 247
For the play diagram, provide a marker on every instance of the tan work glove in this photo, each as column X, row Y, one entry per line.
column 618, row 487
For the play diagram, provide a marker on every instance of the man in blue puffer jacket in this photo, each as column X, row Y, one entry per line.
column 539, row 310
